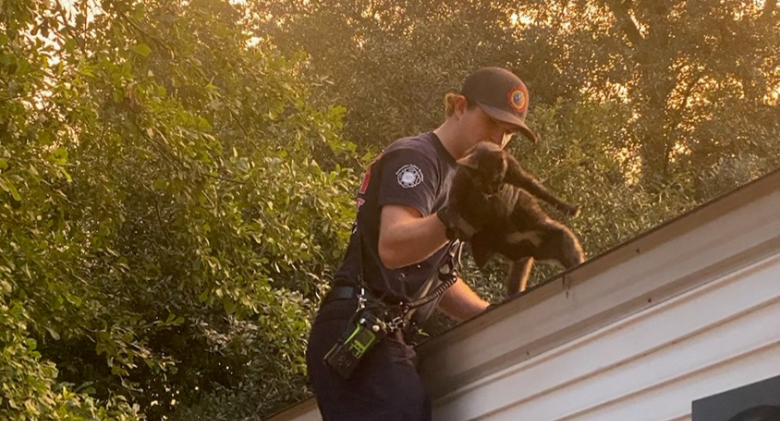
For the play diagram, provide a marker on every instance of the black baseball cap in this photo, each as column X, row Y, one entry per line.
column 501, row 94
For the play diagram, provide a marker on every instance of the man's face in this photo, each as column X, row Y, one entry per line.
column 480, row 127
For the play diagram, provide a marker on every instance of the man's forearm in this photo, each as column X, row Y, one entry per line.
column 410, row 241
column 460, row 302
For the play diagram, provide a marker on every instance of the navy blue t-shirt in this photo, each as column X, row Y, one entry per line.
column 413, row 171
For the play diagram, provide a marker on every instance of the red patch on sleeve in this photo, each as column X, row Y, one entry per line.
column 367, row 176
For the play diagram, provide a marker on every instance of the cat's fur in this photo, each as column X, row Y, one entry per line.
column 490, row 185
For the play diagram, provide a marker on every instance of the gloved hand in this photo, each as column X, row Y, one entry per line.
column 462, row 224
column 457, row 228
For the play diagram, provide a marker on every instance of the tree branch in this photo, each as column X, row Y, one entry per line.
column 157, row 40
column 698, row 76
column 620, row 10
column 12, row 97
column 217, row 177
column 238, row 121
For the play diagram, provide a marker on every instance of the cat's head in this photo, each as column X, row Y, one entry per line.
column 487, row 163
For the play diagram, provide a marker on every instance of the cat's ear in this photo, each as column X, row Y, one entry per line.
column 469, row 161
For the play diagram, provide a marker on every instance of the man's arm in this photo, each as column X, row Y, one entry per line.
column 460, row 302
column 406, row 237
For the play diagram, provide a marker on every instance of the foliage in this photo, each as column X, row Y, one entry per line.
column 700, row 80
column 645, row 109
column 390, row 62
column 164, row 223
column 30, row 389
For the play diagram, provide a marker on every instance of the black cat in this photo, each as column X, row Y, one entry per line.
column 490, row 185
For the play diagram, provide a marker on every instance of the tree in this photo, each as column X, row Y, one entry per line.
column 701, row 80
column 645, row 108
column 164, row 222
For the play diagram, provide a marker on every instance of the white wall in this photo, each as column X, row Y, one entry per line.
column 647, row 367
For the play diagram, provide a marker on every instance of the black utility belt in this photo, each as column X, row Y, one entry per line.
column 390, row 316
column 344, row 292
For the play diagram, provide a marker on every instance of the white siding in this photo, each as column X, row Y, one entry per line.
column 649, row 366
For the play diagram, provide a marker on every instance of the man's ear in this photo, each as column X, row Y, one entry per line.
column 461, row 105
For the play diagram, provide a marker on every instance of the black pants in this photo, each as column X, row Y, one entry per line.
column 384, row 387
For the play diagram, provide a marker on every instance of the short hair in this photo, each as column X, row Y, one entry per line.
column 449, row 104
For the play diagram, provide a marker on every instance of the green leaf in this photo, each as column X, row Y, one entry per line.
column 53, row 333
column 243, row 164
column 9, row 187
column 142, row 50
column 64, row 172
column 60, row 156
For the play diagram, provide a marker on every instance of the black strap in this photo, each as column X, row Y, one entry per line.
column 342, row 293
column 446, row 273
column 346, row 292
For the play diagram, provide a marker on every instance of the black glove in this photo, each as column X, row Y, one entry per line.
column 458, row 228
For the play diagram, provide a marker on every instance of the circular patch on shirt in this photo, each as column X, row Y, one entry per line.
column 409, row 176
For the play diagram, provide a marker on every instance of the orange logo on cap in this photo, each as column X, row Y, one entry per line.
column 517, row 99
